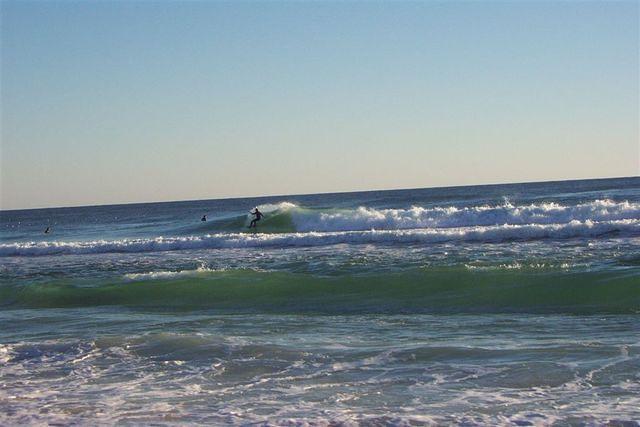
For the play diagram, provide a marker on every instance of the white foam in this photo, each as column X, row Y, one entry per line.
column 364, row 218
column 494, row 233
column 518, row 266
column 154, row 275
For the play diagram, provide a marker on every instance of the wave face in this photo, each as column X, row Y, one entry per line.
column 444, row 290
column 288, row 225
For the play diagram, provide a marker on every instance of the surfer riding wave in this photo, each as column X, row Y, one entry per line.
column 258, row 216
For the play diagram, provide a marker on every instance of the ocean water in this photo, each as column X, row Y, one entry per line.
column 508, row 304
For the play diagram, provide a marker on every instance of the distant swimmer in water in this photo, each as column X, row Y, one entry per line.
column 204, row 218
column 47, row 230
column 258, row 216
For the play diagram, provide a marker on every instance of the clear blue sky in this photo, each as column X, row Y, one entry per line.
column 108, row 102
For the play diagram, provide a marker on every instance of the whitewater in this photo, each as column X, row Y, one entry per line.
column 515, row 304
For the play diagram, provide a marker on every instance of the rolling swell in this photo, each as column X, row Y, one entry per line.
column 443, row 290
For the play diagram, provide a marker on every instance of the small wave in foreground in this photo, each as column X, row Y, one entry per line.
column 440, row 290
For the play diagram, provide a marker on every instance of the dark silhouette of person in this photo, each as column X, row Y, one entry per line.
column 258, row 216
column 47, row 230
column 204, row 218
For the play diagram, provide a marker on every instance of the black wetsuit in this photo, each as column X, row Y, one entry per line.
column 258, row 216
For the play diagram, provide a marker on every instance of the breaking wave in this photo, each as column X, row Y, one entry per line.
column 364, row 218
column 287, row 217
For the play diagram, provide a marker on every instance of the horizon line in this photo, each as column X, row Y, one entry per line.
column 319, row 193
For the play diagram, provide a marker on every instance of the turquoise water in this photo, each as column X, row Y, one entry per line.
column 509, row 304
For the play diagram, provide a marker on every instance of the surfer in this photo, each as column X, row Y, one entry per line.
column 204, row 218
column 47, row 230
column 258, row 215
